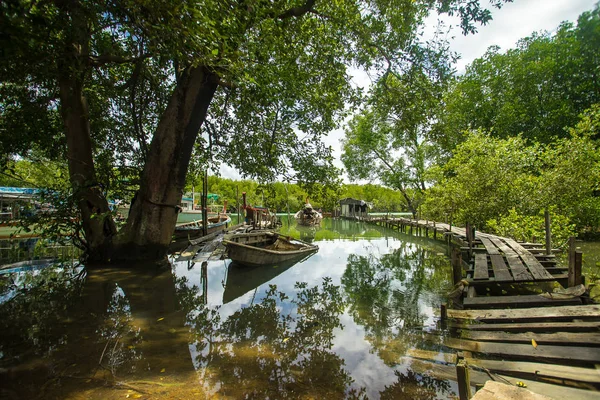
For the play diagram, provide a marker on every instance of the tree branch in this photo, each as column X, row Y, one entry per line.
column 98, row 61
column 298, row 11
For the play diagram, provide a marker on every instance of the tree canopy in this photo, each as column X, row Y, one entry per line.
column 537, row 89
column 132, row 84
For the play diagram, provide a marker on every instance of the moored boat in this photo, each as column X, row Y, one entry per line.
column 308, row 216
column 193, row 229
column 265, row 248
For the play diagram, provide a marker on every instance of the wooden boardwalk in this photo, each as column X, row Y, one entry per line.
column 547, row 339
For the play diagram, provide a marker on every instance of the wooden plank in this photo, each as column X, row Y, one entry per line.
column 481, row 267
column 565, row 338
column 501, row 271
column 557, row 277
column 489, row 246
column 587, row 311
column 523, row 301
column 519, row 272
column 448, row 372
column 529, row 327
column 536, row 269
column 490, row 281
column 437, row 356
column 527, row 351
column 551, row 371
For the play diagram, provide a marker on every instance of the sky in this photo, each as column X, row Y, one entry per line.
column 511, row 23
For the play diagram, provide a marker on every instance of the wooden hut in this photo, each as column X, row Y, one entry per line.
column 352, row 208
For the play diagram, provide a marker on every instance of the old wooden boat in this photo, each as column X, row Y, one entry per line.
column 308, row 216
column 193, row 229
column 265, row 248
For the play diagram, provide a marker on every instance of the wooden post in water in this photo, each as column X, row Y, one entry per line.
column 548, row 233
column 434, row 231
column 456, row 260
column 463, row 380
column 237, row 203
column 575, row 264
column 205, row 204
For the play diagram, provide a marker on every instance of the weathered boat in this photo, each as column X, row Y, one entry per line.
column 308, row 216
column 265, row 248
column 193, row 229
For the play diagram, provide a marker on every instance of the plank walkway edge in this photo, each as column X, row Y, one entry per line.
column 519, row 368
column 584, row 311
column 554, row 391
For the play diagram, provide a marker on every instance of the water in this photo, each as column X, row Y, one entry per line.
column 337, row 325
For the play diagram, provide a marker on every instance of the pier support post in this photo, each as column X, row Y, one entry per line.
column 548, row 233
column 575, row 264
column 571, row 272
column 463, row 380
column 456, row 259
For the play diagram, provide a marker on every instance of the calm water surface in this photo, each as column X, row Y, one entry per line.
column 337, row 325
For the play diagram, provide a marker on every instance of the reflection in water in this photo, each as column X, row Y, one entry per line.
column 333, row 326
column 385, row 294
column 242, row 279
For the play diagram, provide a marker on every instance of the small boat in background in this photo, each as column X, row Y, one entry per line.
column 193, row 229
column 308, row 216
column 265, row 248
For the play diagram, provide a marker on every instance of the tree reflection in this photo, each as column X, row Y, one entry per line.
column 410, row 385
column 261, row 352
column 386, row 295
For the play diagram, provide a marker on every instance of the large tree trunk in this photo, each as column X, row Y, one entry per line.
column 153, row 213
column 97, row 222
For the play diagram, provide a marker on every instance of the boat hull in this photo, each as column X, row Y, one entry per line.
column 193, row 229
column 256, row 249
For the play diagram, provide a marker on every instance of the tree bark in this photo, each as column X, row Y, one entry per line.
column 97, row 222
column 153, row 214
column 96, row 219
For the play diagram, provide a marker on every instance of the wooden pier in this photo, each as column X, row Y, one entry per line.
column 508, row 321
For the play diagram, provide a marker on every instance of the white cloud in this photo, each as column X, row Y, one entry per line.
column 515, row 21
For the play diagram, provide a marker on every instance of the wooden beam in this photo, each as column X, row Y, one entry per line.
column 481, row 267
column 501, row 271
column 523, row 301
column 551, row 371
column 568, row 338
column 536, row 269
column 529, row 327
column 517, row 268
column 490, row 281
column 527, row 351
column 587, row 311
column 448, row 372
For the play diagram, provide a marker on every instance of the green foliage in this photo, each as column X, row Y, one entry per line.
column 279, row 195
column 532, row 227
column 489, row 181
column 536, row 90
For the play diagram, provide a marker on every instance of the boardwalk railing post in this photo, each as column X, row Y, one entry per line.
column 463, row 379
column 456, row 258
column 575, row 264
column 572, row 267
column 548, row 233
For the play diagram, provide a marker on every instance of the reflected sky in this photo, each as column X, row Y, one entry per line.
column 336, row 325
